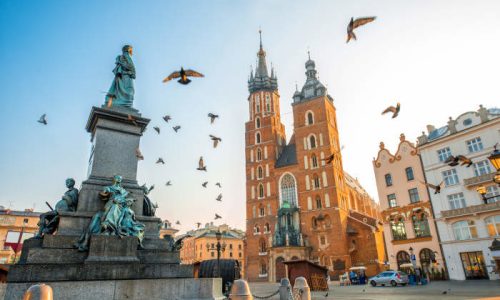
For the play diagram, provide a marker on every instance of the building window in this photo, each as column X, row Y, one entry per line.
column 263, row 268
column 260, row 172
column 409, row 173
column 391, row 198
column 257, row 104
column 456, row 201
column 230, row 254
column 388, row 179
column 262, row 245
column 259, row 154
column 267, row 228
column 239, row 247
column 314, row 223
column 398, row 229
column 268, row 103
column 212, row 254
column 493, row 192
column 322, row 240
column 402, row 258
column 256, row 229
column 261, row 190
column 316, row 181
column 413, row 195
column 257, row 122
column 465, row 230
column 310, row 118
column 314, row 161
column 318, row 202
column 262, row 211
column 257, row 138
column 493, row 225
column 288, row 193
column 475, row 145
column 482, row 168
column 443, row 154
column 312, row 141
column 450, row 177
column 239, row 255
column 420, row 225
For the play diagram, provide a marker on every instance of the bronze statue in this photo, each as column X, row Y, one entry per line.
column 49, row 221
column 121, row 92
column 148, row 207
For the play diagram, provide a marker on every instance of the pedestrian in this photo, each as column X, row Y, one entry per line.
column 417, row 275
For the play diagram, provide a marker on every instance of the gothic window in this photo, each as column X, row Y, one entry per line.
column 314, row 161
column 256, row 229
column 263, row 268
column 316, row 181
column 257, row 138
column 403, row 258
column 267, row 228
column 312, row 141
column 318, row 202
column 398, row 229
column 261, row 190
column 257, row 104
column 310, row 118
column 268, row 103
column 260, row 172
column 288, row 193
column 257, row 122
column 262, row 211
column 259, row 154
column 262, row 245
column 420, row 225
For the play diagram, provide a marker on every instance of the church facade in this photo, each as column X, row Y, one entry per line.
column 298, row 206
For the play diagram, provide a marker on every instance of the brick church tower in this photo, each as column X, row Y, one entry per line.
column 298, row 206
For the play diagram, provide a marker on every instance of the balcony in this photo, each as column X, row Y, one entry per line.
column 478, row 180
column 474, row 209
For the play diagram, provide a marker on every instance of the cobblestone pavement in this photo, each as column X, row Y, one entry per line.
column 483, row 289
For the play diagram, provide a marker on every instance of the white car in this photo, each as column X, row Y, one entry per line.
column 389, row 277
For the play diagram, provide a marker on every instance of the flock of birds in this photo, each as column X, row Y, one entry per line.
column 451, row 161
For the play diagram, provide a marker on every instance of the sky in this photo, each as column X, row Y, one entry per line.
column 437, row 58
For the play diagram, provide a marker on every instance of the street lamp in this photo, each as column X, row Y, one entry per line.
column 482, row 191
column 494, row 159
column 25, row 221
column 219, row 248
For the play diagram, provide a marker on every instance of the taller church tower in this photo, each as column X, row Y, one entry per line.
column 264, row 141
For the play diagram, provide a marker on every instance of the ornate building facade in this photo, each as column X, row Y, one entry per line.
column 407, row 214
column 298, row 206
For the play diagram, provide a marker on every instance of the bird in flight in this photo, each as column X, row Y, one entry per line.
column 329, row 159
column 219, row 198
column 201, row 165
column 353, row 24
column 43, row 119
column 169, row 183
column 217, row 217
column 183, row 75
column 455, row 160
column 132, row 119
column 138, row 154
column 157, row 129
column 204, row 184
column 176, row 128
column 394, row 110
column 218, row 184
column 167, row 118
column 198, row 224
column 212, row 117
column 215, row 139
column 436, row 188
column 160, row 161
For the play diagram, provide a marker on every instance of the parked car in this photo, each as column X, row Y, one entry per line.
column 389, row 277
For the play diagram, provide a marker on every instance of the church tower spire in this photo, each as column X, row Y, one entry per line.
column 262, row 81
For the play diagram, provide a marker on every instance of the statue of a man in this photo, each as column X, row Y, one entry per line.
column 148, row 207
column 121, row 92
column 49, row 221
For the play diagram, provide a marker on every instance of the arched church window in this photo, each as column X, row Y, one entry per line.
column 256, row 229
column 257, row 138
column 257, row 104
column 257, row 122
column 318, row 202
column 288, row 190
column 314, row 161
column 268, row 103
column 316, row 181
column 312, row 141
column 310, row 118
column 262, row 245
column 267, row 228
column 261, row 190
column 259, row 154
column 260, row 172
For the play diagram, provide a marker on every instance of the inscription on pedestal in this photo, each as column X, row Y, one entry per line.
column 106, row 248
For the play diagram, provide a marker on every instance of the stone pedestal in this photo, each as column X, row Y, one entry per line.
column 113, row 267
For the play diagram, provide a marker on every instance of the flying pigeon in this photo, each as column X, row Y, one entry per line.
column 218, row 184
column 454, row 160
column 217, row 217
column 138, row 154
column 132, row 119
column 216, row 140
column 160, row 161
column 201, row 165
column 329, row 159
column 204, row 184
column 212, row 117
column 157, row 129
column 353, row 24
column 219, row 198
column 169, row 183
column 176, row 128
column 43, row 119
column 167, row 118
column 183, row 74
column 436, row 188
column 394, row 110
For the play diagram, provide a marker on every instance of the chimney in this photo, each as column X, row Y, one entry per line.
column 430, row 128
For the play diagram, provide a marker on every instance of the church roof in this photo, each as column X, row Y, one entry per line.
column 312, row 88
column 288, row 156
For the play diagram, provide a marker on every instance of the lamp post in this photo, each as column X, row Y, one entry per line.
column 219, row 248
column 25, row 221
column 494, row 159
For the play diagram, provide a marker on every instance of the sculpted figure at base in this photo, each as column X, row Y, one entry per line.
column 121, row 92
column 148, row 207
column 49, row 221
column 117, row 217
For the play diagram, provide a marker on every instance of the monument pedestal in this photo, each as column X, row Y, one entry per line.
column 113, row 267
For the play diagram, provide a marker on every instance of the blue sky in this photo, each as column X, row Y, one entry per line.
column 439, row 59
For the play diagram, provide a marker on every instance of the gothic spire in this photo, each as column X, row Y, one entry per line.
column 261, row 66
column 261, row 79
